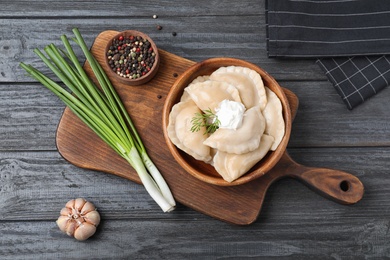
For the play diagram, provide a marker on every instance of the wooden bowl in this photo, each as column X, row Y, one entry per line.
column 143, row 79
column 204, row 171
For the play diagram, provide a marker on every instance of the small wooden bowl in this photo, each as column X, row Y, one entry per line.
column 143, row 79
column 204, row 171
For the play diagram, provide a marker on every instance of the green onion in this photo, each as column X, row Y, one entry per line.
column 101, row 110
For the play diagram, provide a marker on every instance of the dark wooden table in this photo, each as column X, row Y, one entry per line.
column 295, row 222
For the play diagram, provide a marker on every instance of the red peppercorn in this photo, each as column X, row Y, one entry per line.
column 121, row 38
column 138, row 50
column 119, row 48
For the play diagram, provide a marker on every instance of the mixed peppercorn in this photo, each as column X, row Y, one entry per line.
column 131, row 57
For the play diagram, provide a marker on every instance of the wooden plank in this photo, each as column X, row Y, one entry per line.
column 340, row 236
column 114, row 9
column 323, row 119
column 29, row 115
column 230, row 36
column 43, row 181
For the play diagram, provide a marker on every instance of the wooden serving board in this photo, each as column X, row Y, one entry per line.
column 235, row 204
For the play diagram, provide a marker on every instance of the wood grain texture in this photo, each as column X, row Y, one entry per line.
column 115, row 9
column 241, row 37
column 155, row 240
column 290, row 210
column 295, row 223
column 30, row 178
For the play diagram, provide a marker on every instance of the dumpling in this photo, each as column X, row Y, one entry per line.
column 242, row 140
column 208, row 94
column 273, row 115
column 180, row 134
column 198, row 79
column 213, row 152
column 244, row 85
column 185, row 97
column 232, row 166
column 248, row 83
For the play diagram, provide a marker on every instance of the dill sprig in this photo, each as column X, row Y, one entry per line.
column 206, row 119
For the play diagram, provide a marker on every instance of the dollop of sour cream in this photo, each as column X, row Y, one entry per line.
column 230, row 114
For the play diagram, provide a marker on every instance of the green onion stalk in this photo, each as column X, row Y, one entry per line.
column 101, row 110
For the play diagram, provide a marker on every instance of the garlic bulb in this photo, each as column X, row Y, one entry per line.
column 79, row 219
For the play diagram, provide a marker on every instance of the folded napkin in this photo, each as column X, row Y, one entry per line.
column 350, row 37
column 357, row 78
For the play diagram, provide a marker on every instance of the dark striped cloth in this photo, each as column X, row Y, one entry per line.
column 351, row 38
column 328, row 28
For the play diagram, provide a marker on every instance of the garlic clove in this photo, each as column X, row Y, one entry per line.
column 84, row 231
column 62, row 223
column 88, row 207
column 92, row 217
column 70, row 204
column 79, row 203
column 65, row 211
column 70, row 228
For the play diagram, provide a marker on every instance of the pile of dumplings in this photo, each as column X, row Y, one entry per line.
column 232, row 152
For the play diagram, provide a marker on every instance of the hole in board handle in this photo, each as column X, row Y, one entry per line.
column 344, row 186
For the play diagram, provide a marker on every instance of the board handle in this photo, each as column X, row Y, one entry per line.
column 340, row 186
